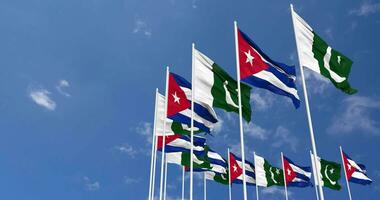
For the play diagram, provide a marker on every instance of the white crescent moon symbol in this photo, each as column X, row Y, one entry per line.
column 327, row 176
column 272, row 175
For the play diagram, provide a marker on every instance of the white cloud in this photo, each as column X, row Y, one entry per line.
column 366, row 8
column 218, row 126
column 129, row 180
column 255, row 131
column 127, row 149
column 41, row 97
column 91, row 185
column 329, row 33
column 142, row 27
column 316, row 83
column 356, row 115
column 146, row 130
column 62, row 84
column 194, row 4
column 262, row 100
column 275, row 191
column 283, row 137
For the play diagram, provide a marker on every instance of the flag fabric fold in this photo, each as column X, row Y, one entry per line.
column 216, row 88
column 266, row 174
column 257, row 69
column 355, row 173
column 295, row 175
column 179, row 105
column 329, row 173
column 320, row 57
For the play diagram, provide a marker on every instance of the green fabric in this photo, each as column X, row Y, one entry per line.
column 339, row 63
column 221, row 81
column 178, row 128
column 330, row 174
column 204, row 165
column 274, row 175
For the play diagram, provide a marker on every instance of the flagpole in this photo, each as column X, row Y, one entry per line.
column 314, row 174
column 314, row 148
column 345, row 173
column 257, row 187
column 204, row 186
column 154, row 164
column 166, row 176
column 229, row 175
column 151, row 184
column 192, row 120
column 164, row 134
column 183, row 183
column 240, row 112
column 285, row 183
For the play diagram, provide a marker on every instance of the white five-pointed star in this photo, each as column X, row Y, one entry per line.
column 176, row 98
column 331, row 170
column 349, row 167
column 235, row 168
column 289, row 172
column 249, row 57
column 277, row 171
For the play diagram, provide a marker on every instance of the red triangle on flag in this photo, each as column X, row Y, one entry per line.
column 235, row 169
column 177, row 100
column 168, row 139
column 289, row 172
column 349, row 168
column 250, row 59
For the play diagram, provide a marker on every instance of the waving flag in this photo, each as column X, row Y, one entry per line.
column 329, row 173
column 216, row 88
column 355, row 173
column 237, row 171
column 295, row 175
column 266, row 174
column 318, row 56
column 257, row 69
column 179, row 105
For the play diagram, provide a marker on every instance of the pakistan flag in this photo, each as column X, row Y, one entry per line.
column 266, row 174
column 200, row 159
column 216, row 88
column 317, row 55
column 329, row 173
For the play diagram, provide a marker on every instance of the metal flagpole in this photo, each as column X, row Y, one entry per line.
column 192, row 121
column 257, row 187
column 345, row 173
column 314, row 148
column 204, row 186
column 284, row 171
column 154, row 164
column 151, row 184
column 183, row 183
column 164, row 134
column 314, row 174
column 240, row 112
column 229, row 175
column 166, row 176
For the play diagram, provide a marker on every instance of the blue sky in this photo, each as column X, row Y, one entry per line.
column 78, row 78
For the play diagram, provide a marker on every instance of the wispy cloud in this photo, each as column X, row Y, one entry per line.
column 91, row 185
column 316, row 83
column 366, row 8
column 329, row 33
column 146, row 130
column 256, row 131
column 42, row 98
column 283, row 137
column 62, row 85
column 275, row 191
column 262, row 100
column 142, row 27
column 194, row 4
column 356, row 115
column 127, row 149
column 130, row 180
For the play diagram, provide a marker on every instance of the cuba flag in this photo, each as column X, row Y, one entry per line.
column 295, row 175
column 355, row 173
column 179, row 105
column 258, row 70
